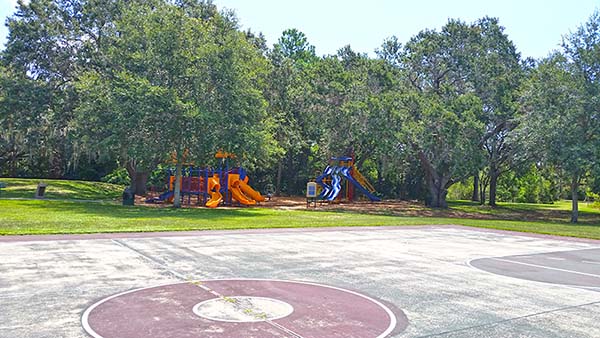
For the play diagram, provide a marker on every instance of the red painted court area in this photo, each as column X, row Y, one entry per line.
column 317, row 311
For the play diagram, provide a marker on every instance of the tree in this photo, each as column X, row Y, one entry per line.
column 23, row 102
column 558, row 125
column 53, row 41
column 354, row 95
column 496, row 74
column 440, row 116
column 561, row 101
column 176, row 83
column 288, row 94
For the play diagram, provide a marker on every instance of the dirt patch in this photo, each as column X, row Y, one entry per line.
column 401, row 208
column 386, row 207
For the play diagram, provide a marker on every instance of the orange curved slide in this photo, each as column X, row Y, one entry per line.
column 215, row 196
column 253, row 194
column 215, row 199
column 238, row 195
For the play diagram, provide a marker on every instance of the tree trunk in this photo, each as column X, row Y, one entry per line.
column 141, row 178
column 278, row 181
column 380, row 168
column 437, row 195
column 574, row 199
column 177, row 192
column 475, row 196
column 482, row 189
column 436, row 184
column 130, row 167
column 138, row 178
column 493, row 185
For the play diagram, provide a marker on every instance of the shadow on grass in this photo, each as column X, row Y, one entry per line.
column 26, row 188
column 141, row 212
column 522, row 212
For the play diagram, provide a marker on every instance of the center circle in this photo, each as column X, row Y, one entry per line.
column 243, row 309
column 257, row 308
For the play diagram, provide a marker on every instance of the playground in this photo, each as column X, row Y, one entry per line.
column 211, row 187
column 428, row 281
column 226, row 185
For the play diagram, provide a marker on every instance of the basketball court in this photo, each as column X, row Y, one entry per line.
column 431, row 281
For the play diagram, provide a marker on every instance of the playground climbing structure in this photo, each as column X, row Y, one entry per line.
column 211, row 187
column 341, row 178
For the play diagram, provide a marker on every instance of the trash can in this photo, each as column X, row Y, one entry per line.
column 128, row 196
column 41, row 190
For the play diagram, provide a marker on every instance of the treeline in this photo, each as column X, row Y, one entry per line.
column 88, row 87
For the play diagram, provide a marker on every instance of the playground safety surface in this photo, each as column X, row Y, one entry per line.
column 430, row 281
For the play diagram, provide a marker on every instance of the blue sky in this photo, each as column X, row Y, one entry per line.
column 535, row 26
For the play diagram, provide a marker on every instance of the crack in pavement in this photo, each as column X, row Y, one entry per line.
column 509, row 320
column 199, row 284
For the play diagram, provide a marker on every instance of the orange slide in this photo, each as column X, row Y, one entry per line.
column 213, row 189
column 248, row 191
column 242, row 192
column 238, row 195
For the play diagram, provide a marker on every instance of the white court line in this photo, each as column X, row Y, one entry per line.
column 547, row 267
column 570, row 286
column 544, row 252
column 554, row 258
column 590, row 262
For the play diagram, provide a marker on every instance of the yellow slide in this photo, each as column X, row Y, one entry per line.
column 215, row 196
column 238, row 195
column 248, row 191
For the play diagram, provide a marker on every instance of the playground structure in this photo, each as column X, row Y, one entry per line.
column 340, row 178
column 211, row 187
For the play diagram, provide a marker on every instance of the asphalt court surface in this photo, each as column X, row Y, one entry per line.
column 438, row 281
column 573, row 267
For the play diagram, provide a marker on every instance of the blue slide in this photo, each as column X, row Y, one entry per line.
column 164, row 196
column 336, row 185
column 326, row 187
column 346, row 174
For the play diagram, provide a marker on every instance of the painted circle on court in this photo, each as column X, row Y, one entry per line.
column 242, row 308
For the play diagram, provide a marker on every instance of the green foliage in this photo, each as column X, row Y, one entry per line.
column 533, row 186
column 594, row 198
column 562, row 124
column 293, row 45
column 22, row 104
column 86, row 85
column 180, row 80
column 118, row 176
column 462, row 190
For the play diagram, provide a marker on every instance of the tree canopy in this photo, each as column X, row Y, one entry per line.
column 87, row 87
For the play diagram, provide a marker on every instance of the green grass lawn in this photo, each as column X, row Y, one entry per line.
column 558, row 211
column 60, row 189
column 68, row 215
column 46, row 217
column 54, row 217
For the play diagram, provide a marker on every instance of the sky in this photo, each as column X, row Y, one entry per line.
column 535, row 26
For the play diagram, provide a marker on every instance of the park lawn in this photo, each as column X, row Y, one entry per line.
column 558, row 211
column 54, row 217
column 60, row 189
column 60, row 217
